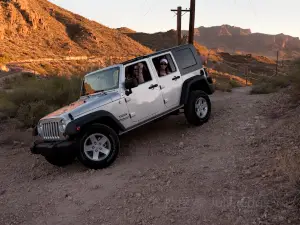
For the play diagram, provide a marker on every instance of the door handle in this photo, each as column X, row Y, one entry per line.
column 153, row 86
column 176, row 78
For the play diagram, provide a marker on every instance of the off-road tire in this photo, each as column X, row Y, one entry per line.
column 113, row 139
column 190, row 109
column 61, row 160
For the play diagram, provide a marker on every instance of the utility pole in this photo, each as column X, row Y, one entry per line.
column 179, row 15
column 277, row 63
column 192, row 21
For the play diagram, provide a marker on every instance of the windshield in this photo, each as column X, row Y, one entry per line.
column 101, row 81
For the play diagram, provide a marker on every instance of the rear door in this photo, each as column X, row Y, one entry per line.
column 171, row 83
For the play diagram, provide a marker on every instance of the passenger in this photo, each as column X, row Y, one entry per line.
column 163, row 71
column 138, row 73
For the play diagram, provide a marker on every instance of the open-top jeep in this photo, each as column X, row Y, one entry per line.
column 120, row 98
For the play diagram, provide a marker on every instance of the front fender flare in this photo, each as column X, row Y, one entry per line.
column 74, row 127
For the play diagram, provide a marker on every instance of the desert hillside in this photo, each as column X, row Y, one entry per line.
column 236, row 39
column 39, row 29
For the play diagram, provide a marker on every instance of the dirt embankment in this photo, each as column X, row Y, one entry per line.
column 229, row 172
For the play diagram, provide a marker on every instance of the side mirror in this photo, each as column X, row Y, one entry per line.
column 129, row 84
column 202, row 73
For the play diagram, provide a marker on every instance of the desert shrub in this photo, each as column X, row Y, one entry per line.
column 223, row 86
column 35, row 97
column 234, row 84
column 268, row 85
column 272, row 84
column 29, row 114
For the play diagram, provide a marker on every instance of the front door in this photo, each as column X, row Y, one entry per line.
column 146, row 100
column 169, row 79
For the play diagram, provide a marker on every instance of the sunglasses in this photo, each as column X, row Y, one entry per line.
column 164, row 64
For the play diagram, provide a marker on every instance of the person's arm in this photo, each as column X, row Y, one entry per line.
column 141, row 78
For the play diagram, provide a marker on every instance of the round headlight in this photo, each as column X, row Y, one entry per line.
column 40, row 128
column 62, row 126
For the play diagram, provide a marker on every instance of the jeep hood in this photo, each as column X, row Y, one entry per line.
column 84, row 104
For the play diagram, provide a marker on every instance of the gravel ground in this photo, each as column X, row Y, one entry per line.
column 224, row 172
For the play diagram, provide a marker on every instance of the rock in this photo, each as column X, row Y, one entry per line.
column 138, row 195
column 181, row 144
column 29, row 130
column 247, row 172
column 16, row 143
column 172, row 221
column 67, row 196
column 97, row 186
column 281, row 218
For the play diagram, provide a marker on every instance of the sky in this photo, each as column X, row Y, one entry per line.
column 150, row 16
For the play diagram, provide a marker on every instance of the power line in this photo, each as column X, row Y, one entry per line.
column 150, row 7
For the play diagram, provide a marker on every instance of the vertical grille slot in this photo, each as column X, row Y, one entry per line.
column 50, row 131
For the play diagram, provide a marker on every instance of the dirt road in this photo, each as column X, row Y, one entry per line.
column 167, row 173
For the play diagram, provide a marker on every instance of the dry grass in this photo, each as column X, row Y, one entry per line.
column 268, row 85
column 225, row 82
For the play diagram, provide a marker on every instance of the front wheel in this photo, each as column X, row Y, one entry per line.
column 99, row 147
column 198, row 108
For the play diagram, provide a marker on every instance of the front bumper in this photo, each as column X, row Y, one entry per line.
column 52, row 148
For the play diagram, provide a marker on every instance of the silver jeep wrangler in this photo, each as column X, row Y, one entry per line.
column 120, row 98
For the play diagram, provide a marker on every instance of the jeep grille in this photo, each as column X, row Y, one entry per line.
column 50, row 131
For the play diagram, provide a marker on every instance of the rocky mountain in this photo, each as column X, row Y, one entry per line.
column 235, row 39
column 38, row 28
column 163, row 40
column 155, row 41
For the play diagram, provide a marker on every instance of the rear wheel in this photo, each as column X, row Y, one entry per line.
column 198, row 108
column 99, row 147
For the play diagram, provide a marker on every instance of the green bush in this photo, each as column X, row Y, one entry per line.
column 32, row 98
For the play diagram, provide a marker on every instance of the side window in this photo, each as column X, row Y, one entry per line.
column 139, row 72
column 185, row 58
column 164, row 65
